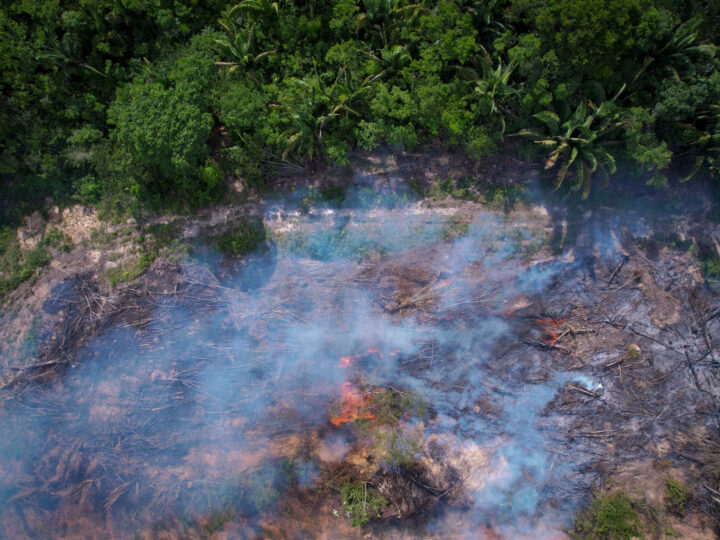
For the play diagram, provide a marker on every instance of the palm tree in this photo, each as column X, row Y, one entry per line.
column 310, row 110
column 258, row 9
column 385, row 21
column 705, row 141
column 676, row 56
column 579, row 141
column 392, row 60
column 239, row 45
column 493, row 88
column 64, row 53
column 483, row 14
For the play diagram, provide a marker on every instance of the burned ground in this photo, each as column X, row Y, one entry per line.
column 556, row 350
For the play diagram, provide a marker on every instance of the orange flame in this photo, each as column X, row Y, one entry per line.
column 354, row 405
column 346, row 361
column 551, row 334
column 375, row 351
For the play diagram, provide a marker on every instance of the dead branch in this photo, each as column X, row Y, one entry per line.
column 615, row 272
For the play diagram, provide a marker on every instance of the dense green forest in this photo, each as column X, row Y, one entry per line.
column 154, row 102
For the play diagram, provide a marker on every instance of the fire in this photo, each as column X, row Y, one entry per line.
column 346, row 361
column 354, row 405
column 375, row 351
column 550, row 326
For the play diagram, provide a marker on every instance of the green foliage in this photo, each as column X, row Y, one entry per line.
column 455, row 227
column 238, row 45
column 163, row 129
column 397, row 446
column 391, row 406
column 602, row 47
column 129, row 270
column 503, row 196
column 217, row 521
column 30, row 341
column 464, row 189
column 55, row 238
column 609, row 517
column 711, row 267
column 362, row 502
column 113, row 103
column 581, row 141
column 677, row 496
column 162, row 125
column 242, row 240
column 16, row 264
column 333, row 195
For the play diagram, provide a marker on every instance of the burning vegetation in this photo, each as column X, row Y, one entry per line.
column 363, row 369
column 354, row 404
column 550, row 327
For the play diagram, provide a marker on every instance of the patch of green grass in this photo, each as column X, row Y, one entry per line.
column 455, row 227
column 711, row 267
column 392, row 439
column 163, row 234
column 159, row 236
column 397, row 446
column 463, row 189
column 361, row 502
column 358, row 243
column 609, row 517
column 388, row 407
column 416, row 187
column 395, row 443
column 130, row 270
column 503, row 196
column 217, row 521
column 322, row 245
column 677, row 496
column 242, row 240
column 16, row 264
column 29, row 345
column 333, row 195
column 179, row 251
column 391, row 406
column 55, row 238
column 101, row 237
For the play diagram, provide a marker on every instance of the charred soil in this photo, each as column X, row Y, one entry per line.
column 412, row 352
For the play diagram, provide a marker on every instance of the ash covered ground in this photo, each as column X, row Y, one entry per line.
column 478, row 366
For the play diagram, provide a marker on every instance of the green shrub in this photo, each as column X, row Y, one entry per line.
column 217, row 521
column 677, row 496
column 455, row 227
column 609, row 517
column 503, row 196
column 55, row 238
column 18, row 265
column 29, row 345
column 243, row 240
column 130, row 270
column 391, row 406
column 361, row 502
column 397, row 446
column 711, row 267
